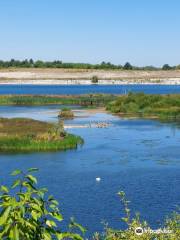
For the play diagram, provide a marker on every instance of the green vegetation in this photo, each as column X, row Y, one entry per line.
column 26, row 135
column 66, row 113
column 128, row 66
column 165, row 107
column 59, row 64
column 28, row 212
column 171, row 227
column 83, row 100
column 94, row 79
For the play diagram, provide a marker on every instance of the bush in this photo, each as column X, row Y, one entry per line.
column 27, row 212
column 135, row 225
column 166, row 107
column 66, row 113
column 94, row 79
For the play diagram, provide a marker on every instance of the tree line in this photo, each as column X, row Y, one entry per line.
column 30, row 63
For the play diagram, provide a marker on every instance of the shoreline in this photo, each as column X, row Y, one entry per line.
column 88, row 82
column 56, row 76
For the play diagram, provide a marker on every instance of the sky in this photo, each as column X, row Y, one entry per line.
column 143, row 32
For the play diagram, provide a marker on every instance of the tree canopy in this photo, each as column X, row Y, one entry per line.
column 30, row 63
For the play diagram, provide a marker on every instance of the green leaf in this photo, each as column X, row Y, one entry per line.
column 4, row 189
column 32, row 178
column 50, row 223
column 67, row 235
column 74, row 224
column 47, row 236
column 16, row 172
column 33, row 169
column 35, row 215
column 4, row 216
column 16, row 183
column 57, row 216
column 55, row 202
column 15, row 233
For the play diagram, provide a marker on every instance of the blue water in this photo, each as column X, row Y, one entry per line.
column 138, row 156
column 84, row 89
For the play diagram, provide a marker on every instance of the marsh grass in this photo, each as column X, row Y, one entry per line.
column 27, row 135
column 27, row 144
column 164, row 107
column 83, row 100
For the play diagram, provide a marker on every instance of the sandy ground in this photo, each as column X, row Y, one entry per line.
column 74, row 76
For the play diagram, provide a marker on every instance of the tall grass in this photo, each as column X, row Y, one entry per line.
column 26, row 135
column 161, row 106
column 84, row 100
column 27, row 144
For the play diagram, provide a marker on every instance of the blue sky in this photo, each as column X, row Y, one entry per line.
column 144, row 32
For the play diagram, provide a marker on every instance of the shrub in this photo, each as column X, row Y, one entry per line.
column 27, row 212
column 66, row 113
column 94, row 79
column 166, row 107
column 172, row 226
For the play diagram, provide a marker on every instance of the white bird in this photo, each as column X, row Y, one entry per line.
column 98, row 179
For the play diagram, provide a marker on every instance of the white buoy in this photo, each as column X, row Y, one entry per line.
column 98, row 179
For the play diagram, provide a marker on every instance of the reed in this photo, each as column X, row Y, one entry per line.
column 83, row 100
column 165, row 107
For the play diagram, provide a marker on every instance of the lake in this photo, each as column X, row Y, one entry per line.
column 140, row 157
column 85, row 89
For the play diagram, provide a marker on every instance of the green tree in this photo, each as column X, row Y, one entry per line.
column 128, row 66
column 94, row 79
column 166, row 67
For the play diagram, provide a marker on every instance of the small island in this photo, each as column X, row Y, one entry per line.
column 66, row 113
column 28, row 135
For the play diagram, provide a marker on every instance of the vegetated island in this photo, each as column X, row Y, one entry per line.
column 27, row 135
column 66, row 113
column 163, row 107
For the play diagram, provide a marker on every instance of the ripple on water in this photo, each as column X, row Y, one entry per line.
column 138, row 156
